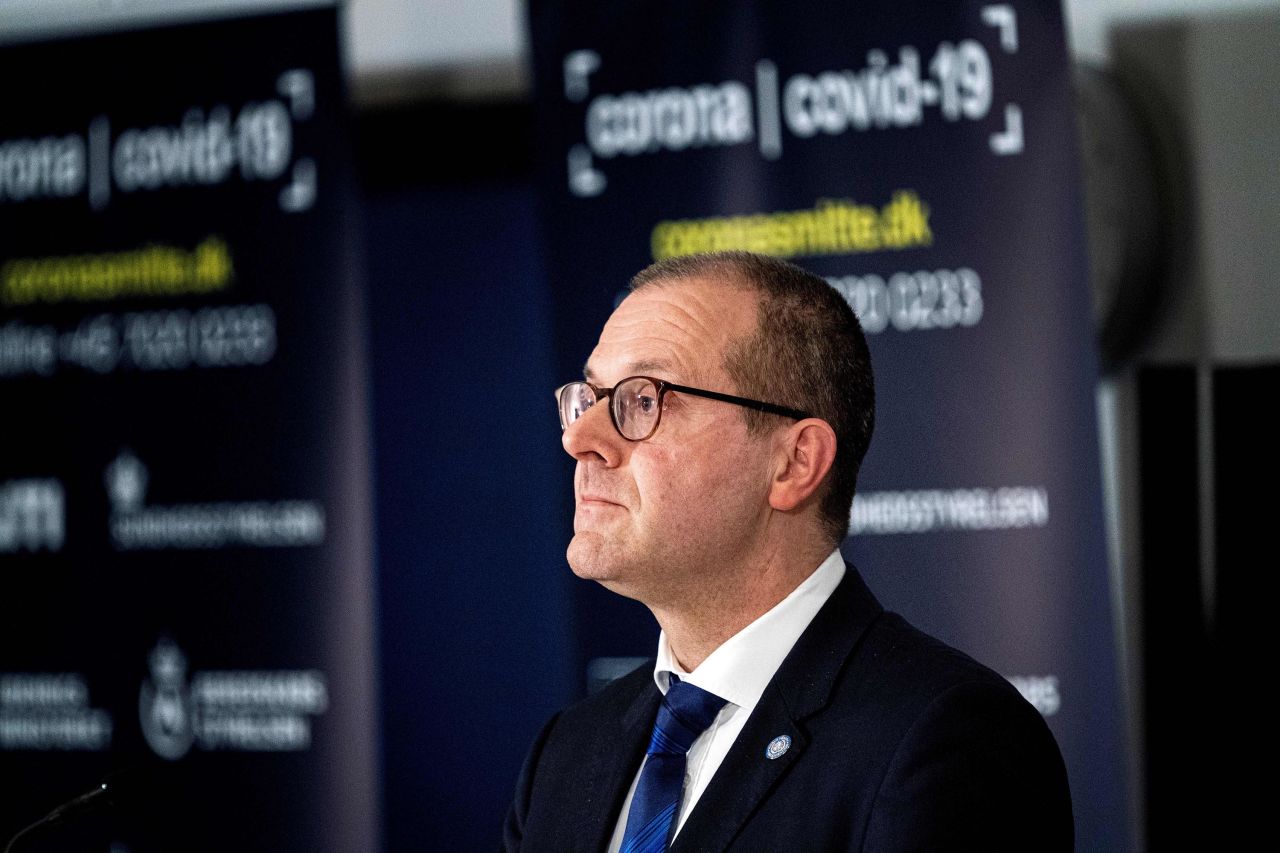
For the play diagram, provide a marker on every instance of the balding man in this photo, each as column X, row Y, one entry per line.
column 718, row 432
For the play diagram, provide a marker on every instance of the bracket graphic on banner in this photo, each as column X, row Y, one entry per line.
column 956, row 82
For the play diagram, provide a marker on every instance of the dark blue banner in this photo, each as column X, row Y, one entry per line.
column 922, row 157
column 185, row 555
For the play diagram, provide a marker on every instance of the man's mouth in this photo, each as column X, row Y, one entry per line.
column 597, row 499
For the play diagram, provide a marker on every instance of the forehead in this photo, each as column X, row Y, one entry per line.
column 676, row 330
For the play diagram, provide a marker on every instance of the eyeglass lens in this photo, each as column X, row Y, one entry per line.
column 634, row 404
column 575, row 399
column 635, row 408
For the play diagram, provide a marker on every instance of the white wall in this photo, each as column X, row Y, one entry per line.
column 399, row 36
column 1088, row 20
column 396, row 35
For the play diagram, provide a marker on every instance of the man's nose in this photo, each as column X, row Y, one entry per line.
column 593, row 437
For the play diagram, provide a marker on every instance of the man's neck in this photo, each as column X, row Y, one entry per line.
column 703, row 619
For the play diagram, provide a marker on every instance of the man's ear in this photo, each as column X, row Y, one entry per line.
column 805, row 453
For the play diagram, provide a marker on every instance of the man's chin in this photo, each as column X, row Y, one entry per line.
column 591, row 558
column 586, row 557
column 594, row 557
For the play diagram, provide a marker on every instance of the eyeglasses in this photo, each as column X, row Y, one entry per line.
column 635, row 403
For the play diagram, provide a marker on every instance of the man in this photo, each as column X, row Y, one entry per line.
column 718, row 434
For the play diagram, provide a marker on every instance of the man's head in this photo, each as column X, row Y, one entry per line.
column 807, row 352
column 717, row 480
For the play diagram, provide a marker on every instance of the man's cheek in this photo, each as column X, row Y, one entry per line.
column 680, row 508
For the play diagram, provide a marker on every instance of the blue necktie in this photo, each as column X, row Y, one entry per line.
column 685, row 713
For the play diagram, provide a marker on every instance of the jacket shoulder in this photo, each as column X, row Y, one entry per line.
column 971, row 761
column 902, row 657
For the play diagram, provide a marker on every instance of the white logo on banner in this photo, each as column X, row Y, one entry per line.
column 164, row 704
column 233, row 710
column 256, row 524
column 32, row 515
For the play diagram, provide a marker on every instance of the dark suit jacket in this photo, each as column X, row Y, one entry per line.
column 898, row 742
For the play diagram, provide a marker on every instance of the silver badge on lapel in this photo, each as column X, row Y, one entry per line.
column 777, row 747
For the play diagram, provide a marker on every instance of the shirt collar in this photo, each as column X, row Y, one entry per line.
column 743, row 665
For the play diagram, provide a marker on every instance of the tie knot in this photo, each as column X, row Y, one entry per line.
column 685, row 713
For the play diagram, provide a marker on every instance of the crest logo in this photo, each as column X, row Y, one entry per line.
column 126, row 480
column 777, row 747
column 164, row 704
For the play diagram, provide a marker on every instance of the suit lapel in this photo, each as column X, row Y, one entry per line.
column 617, row 757
column 743, row 780
column 801, row 688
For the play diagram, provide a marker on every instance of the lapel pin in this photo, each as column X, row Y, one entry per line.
column 777, row 747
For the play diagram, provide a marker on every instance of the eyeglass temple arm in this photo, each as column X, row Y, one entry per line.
column 758, row 405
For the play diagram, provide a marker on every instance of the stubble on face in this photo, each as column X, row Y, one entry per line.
column 658, row 520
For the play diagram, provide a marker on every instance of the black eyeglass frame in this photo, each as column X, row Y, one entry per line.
column 663, row 387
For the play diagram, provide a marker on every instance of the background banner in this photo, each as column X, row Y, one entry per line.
column 922, row 157
column 185, row 519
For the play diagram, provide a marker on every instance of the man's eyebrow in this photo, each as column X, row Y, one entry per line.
column 634, row 368
column 648, row 364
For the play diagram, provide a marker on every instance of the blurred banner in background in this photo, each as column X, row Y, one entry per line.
column 922, row 157
column 185, row 515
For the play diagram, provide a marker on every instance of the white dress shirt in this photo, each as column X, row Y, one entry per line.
column 738, row 671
